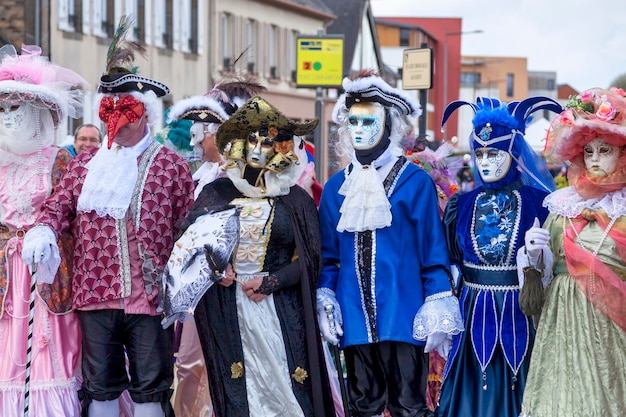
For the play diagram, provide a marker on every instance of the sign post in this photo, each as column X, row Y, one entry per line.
column 319, row 64
column 417, row 74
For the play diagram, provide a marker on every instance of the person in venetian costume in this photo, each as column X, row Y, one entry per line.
column 35, row 97
column 384, row 290
column 205, row 114
column 486, row 371
column 578, row 362
column 258, row 329
column 121, row 203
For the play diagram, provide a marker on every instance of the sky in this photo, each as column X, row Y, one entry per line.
column 583, row 41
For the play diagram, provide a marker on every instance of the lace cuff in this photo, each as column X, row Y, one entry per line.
column 269, row 285
column 523, row 260
column 438, row 315
column 282, row 278
column 326, row 297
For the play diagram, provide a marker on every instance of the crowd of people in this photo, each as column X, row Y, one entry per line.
column 202, row 272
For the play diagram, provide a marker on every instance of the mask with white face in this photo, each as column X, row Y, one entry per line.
column 492, row 164
column 17, row 128
column 366, row 123
column 600, row 157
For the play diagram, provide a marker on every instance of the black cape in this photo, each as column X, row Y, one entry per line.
column 216, row 314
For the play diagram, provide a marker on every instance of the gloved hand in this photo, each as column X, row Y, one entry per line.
column 329, row 315
column 535, row 240
column 37, row 248
column 435, row 340
column 329, row 327
column 444, row 348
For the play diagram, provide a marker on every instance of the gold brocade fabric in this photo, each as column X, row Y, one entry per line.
column 579, row 359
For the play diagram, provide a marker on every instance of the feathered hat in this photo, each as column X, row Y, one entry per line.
column 127, row 96
column 257, row 113
column 369, row 87
column 33, row 79
column 502, row 126
column 198, row 109
column 121, row 74
column 592, row 113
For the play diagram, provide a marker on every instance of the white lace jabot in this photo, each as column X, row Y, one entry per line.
column 111, row 177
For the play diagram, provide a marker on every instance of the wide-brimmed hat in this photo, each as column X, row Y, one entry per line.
column 592, row 113
column 257, row 113
column 33, row 79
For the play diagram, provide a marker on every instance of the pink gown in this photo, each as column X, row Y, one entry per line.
column 55, row 362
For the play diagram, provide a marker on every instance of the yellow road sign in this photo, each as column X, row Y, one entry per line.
column 319, row 61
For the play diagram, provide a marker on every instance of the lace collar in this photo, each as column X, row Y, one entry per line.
column 568, row 203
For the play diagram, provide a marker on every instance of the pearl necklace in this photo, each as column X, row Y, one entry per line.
column 592, row 275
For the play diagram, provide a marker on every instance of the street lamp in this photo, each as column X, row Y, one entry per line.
column 445, row 63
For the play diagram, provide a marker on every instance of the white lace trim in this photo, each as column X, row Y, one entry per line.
column 366, row 206
column 439, row 315
column 111, row 179
column 568, row 203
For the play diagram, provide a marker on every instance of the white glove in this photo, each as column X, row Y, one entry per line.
column 40, row 247
column 444, row 348
column 329, row 315
column 435, row 340
column 456, row 274
column 536, row 240
column 329, row 327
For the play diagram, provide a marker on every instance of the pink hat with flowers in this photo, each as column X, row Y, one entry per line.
column 32, row 78
column 591, row 114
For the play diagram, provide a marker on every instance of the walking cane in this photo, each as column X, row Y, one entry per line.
column 335, row 350
column 29, row 341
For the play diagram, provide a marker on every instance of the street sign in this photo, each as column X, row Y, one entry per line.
column 319, row 61
column 417, row 69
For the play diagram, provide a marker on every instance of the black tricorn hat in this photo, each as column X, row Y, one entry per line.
column 128, row 83
column 120, row 75
column 257, row 113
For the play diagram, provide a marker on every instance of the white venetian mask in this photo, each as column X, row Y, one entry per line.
column 366, row 123
column 17, row 128
column 600, row 157
column 492, row 163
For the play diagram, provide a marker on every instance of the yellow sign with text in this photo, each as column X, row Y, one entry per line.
column 319, row 61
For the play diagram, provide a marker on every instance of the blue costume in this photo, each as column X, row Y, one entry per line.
column 385, row 275
column 486, row 370
column 383, row 307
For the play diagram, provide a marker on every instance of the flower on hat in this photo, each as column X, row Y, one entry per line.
column 606, row 111
column 592, row 113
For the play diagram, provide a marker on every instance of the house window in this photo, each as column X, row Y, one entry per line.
column 252, row 46
column 550, row 85
column 404, row 37
column 140, row 20
column 70, row 15
column 509, row 85
column 104, row 23
column 470, row 79
column 274, row 47
column 227, row 41
column 168, row 24
column 194, row 34
column 293, row 35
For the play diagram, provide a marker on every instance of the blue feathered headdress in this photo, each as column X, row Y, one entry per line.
column 502, row 126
